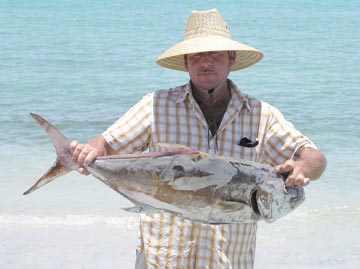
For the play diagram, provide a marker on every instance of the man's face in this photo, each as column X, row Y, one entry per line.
column 209, row 70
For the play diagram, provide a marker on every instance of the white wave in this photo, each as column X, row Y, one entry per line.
column 124, row 222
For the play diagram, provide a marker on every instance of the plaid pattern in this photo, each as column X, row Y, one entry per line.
column 173, row 116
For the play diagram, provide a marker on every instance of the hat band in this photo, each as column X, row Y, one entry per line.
column 201, row 32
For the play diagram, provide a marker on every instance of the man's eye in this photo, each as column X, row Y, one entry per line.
column 215, row 53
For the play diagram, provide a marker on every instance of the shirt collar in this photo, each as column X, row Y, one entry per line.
column 238, row 99
column 185, row 93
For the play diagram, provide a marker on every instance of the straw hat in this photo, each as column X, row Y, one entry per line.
column 207, row 31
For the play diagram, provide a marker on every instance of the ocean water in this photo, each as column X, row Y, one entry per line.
column 82, row 64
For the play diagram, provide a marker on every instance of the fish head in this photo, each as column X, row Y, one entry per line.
column 277, row 200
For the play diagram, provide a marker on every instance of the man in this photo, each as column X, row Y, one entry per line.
column 209, row 114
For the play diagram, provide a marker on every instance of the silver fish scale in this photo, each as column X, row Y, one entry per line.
column 204, row 187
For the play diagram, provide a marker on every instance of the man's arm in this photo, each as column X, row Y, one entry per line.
column 309, row 166
column 85, row 154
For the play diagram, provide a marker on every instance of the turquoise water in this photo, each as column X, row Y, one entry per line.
column 82, row 64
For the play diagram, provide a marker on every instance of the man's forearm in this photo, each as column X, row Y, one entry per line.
column 102, row 146
column 313, row 162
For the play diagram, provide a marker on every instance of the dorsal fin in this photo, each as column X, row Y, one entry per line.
column 165, row 147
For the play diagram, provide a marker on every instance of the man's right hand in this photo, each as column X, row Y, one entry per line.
column 83, row 155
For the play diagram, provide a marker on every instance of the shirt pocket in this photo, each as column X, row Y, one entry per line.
column 246, row 153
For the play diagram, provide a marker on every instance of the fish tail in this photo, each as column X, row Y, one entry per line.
column 63, row 162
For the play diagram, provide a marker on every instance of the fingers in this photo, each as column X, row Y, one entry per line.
column 296, row 173
column 83, row 171
column 286, row 167
column 90, row 157
column 73, row 145
column 83, row 155
column 297, row 180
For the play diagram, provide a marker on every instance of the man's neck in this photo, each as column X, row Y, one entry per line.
column 213, row 104
column 212, row 97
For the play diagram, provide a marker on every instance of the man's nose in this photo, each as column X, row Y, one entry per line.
column 206, row 59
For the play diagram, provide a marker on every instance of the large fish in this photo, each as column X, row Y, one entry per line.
column 185, row 182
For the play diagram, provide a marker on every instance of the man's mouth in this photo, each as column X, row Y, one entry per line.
column 207, row 72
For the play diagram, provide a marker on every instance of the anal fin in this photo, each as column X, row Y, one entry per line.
column 141, row 208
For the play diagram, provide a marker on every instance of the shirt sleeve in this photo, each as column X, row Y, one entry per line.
column 132, row 131
column 282, row 140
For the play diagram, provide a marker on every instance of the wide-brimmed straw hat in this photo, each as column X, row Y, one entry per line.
column 207, row 31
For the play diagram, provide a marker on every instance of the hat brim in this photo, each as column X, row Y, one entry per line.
column 173, row 58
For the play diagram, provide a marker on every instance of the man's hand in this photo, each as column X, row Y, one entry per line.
column 85, row 154
column 309, row 166
column 296, row 173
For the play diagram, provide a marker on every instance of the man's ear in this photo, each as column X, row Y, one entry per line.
column 232, row 58
column 185, row 62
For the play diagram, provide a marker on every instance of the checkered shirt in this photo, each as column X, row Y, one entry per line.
column 173, row 116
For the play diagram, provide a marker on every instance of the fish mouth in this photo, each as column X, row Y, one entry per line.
column 254, row 203
column 300, row 196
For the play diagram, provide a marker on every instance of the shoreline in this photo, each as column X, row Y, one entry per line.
column 98, row 244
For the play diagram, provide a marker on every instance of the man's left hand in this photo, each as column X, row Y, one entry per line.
column 295, row 170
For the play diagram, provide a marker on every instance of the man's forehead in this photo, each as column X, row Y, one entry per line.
column 210, row 52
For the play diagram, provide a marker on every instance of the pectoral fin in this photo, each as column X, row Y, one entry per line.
column 230, row 206
column 191, row 183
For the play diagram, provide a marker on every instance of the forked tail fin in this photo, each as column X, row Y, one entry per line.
column 63, row 162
